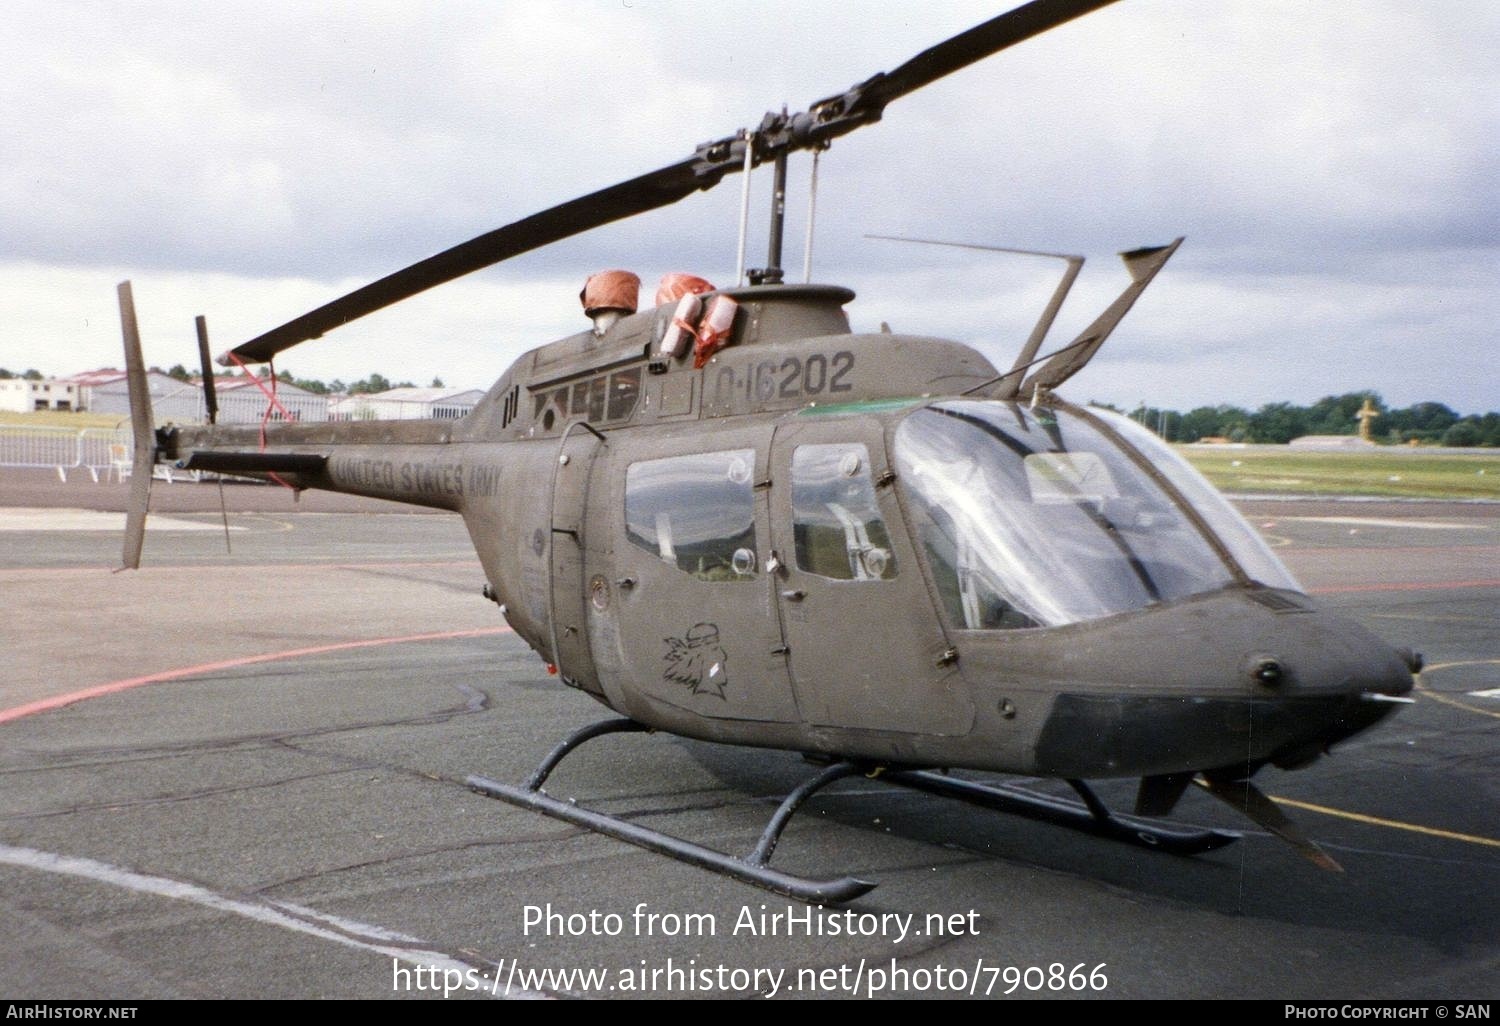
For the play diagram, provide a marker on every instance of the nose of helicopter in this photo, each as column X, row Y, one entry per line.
column 1336, row 677
column 1243, row 676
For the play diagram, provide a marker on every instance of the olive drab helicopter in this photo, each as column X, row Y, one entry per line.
column 689, row 511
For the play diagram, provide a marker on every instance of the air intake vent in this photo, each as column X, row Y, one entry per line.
column 1280, row 601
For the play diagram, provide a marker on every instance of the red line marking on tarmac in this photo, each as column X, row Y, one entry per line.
column 41, row 571
column 1405, row 586
column 58, row 701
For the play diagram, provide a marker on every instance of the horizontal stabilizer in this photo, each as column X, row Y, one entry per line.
column 257, row 462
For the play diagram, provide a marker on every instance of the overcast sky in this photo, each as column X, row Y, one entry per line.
column 1332, row 164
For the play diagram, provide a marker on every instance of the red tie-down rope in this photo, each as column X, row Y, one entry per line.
column 272, row 403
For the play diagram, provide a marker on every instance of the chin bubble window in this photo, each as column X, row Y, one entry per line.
column 695, row 512
column 835, row 520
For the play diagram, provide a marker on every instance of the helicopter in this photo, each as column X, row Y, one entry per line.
column 731, row 518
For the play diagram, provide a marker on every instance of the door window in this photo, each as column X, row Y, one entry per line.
column 836, row 523
column 695, row 512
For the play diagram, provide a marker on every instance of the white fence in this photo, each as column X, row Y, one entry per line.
column 63, row 448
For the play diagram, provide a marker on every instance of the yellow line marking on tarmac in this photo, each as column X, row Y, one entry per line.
column 1448, row 700
column 1360, row 817
column 1397, row 824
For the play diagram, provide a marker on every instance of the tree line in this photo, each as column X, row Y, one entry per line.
column 367, row 386
column 1426, row 423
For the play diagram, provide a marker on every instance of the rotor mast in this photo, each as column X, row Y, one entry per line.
column 772, row 273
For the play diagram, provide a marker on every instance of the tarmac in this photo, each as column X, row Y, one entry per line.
column 239, row 774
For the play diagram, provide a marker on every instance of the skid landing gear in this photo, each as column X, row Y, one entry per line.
column 1091, row 817
column 751, row 869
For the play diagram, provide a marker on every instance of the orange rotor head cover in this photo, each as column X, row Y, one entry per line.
column 611, row 290
column 677, row 284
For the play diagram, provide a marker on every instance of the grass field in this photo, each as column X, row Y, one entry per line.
column 55, row 418
column 1396, row 473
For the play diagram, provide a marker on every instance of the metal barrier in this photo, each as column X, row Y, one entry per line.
column 64, row 449
column 110, row 450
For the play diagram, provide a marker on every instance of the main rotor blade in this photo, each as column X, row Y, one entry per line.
column 647, row 192
column 778, row 133
column 979, row 42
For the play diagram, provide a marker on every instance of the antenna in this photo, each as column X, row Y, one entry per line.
column 1010, row 384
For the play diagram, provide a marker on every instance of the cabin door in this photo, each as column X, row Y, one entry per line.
column 866, row 648
column 692, row 620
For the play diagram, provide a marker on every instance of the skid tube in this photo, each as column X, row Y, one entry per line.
column 751, row 869
column 1091, row 817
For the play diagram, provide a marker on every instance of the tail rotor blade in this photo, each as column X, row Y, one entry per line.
column 210, row 393
column 143, row 432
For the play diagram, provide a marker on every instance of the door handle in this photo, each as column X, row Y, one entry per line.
column 794, row 595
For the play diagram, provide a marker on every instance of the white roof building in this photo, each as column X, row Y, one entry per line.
column 406, row 404
column 181, row 402
column 1330, row 442
column 241, row 401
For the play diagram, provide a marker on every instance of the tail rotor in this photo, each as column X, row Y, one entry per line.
column 143, row 432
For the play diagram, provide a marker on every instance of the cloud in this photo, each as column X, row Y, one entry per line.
column 1332, row 167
